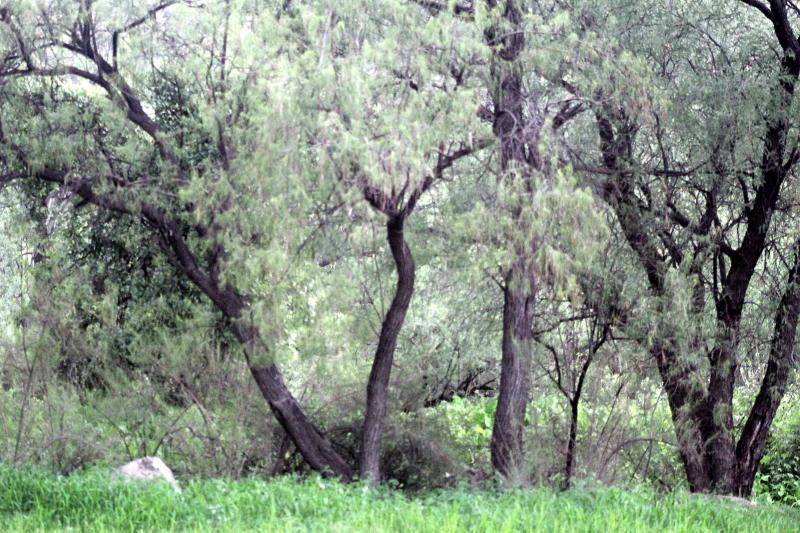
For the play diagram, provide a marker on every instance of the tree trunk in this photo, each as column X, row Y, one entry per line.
column 717, row 417
column 314, row 447
column 507, row 432
column 316, row 450
column 574, row 404
column 753, row 440
column 520, row 282
column 571, row 444
column 683, row 393
column 378, row 385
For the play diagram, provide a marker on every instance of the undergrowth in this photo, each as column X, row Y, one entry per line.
column 94, row 501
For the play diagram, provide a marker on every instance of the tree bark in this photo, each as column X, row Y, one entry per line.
column 721, row 456
column 753, row 440
column 378, row 384
column 507, row 431
column 314, row 447
column 520, row 280
column 703, row 415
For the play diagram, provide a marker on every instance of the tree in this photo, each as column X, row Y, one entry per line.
column 259, row 147
column 193, row 228
column 87, row 44
column 716, row 251
column 576, row 340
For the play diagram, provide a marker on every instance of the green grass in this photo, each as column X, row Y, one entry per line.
column 34, row 501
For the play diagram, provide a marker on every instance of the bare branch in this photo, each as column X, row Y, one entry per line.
column 760, row 6
column 783, row 29
column 136, row 23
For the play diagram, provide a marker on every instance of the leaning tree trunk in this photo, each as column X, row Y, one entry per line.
column 378, row 385
column 753, row 440
column 509, row 419
column 313, row 446
column 316, row 450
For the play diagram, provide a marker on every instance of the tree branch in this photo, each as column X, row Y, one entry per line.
column 760, row 6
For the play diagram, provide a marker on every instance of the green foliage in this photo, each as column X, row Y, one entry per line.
column 778, row 477
column 278, row 115
column 32, row 501
column 470, row 422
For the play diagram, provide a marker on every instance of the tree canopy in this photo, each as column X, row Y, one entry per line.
column 378, row 207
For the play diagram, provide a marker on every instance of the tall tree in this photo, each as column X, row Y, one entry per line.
column 360, row 148
column 718, row 250
column 517, row 150
column 547, row 211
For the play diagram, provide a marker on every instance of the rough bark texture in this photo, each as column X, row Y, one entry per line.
column 378, row 385
column 509, row 418
column 516, row 154
column 169, row 231
column 702, row 413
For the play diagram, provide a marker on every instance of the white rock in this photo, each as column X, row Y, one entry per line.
column 149, row 468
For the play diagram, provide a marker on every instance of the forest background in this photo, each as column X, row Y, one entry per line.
column 411, row 242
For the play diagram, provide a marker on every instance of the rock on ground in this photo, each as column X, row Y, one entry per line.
column 148, row 468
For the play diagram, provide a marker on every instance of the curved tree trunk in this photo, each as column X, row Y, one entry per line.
column 168, row 231
column 378, row 385
column 312, row 444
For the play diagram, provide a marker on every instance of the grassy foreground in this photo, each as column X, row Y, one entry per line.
column 34, row 501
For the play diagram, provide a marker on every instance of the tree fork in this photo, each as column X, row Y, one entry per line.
column 753, row 440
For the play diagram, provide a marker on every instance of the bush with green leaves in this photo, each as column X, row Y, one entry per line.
column 778, row 477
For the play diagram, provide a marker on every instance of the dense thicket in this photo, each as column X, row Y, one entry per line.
column 550, row 238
